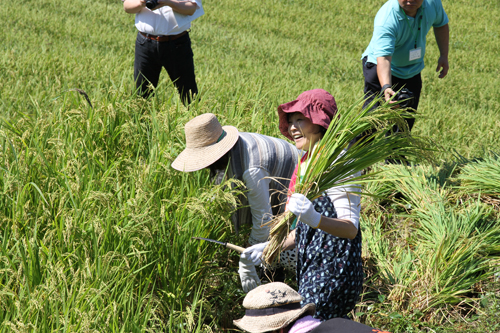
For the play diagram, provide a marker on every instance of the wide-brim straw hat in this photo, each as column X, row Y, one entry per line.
column 317, row 105
column 206, row 142
column 272, row 306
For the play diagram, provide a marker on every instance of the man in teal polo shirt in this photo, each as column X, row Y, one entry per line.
column 395, row 56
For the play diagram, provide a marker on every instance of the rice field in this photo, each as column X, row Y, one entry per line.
column 96, row 228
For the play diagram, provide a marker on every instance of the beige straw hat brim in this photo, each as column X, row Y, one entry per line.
column 268, row 323
column 197, row 158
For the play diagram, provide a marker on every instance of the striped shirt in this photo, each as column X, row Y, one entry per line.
column 265, row 164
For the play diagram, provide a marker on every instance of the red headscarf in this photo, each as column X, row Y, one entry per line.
column 317, row 105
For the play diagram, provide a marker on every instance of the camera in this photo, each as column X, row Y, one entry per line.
column 405, row 96
column 151, row 4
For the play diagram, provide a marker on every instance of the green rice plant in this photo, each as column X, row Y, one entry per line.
column 88, row 195
column 75, row 299
column 340, row 154
column 420, row 187
column 191, row 318
column 390, row 260
column 482, row 176
column 181, row 260
column 388, row 191
column 435, row 256
column 96, row 228
column 462, row 240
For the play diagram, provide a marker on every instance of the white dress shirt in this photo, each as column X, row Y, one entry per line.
column 164, row 21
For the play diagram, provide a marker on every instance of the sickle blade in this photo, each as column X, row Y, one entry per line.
column 210, row 240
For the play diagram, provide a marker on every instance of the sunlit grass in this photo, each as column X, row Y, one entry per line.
column 435, row 248
column 95, row 227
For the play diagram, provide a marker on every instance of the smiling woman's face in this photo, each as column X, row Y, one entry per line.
column 303, row 131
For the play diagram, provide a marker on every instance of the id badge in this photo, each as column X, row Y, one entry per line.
column 416, row 54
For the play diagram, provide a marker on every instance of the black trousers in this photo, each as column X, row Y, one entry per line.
column 175, row 56
column 372, row 86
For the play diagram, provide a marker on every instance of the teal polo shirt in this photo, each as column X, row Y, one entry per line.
column 393, row 36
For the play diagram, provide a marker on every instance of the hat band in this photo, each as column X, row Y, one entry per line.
column 272, row 311
column 222, row 136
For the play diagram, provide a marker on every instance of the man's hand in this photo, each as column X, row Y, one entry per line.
column 443, row 66
column 384, row 76
column 443, row 41
column 388, row 93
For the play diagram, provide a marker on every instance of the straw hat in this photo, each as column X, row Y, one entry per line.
column 206, row 142
column 270, row 307
column 317, row 105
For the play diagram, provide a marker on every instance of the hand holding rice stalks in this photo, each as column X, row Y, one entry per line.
column 353, row 142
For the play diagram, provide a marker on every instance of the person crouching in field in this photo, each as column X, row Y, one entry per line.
column 263, row 163
column 327, row 236
column 275, row 307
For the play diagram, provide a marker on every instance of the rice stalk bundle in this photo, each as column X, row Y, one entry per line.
column 355, row 141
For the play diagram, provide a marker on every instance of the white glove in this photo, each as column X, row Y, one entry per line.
column 248, row 275
column 303, row 208
column 253, row 253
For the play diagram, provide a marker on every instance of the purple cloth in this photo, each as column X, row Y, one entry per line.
column 305, row 324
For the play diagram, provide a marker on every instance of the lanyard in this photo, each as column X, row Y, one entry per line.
column 409, row 26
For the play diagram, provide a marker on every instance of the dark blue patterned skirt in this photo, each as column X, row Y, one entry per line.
column 329, row 268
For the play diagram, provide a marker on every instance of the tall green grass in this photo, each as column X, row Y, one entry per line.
column 95, row 227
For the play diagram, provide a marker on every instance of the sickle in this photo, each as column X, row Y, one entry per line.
column 228, row 245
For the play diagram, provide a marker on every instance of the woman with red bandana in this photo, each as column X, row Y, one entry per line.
column 327, row 236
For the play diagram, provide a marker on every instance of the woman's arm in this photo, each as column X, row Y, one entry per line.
column 289, row 242
column 347, row 205
column 338, row 227
column 342, row 228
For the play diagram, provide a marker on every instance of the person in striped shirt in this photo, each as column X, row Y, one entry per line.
column 263, row 163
